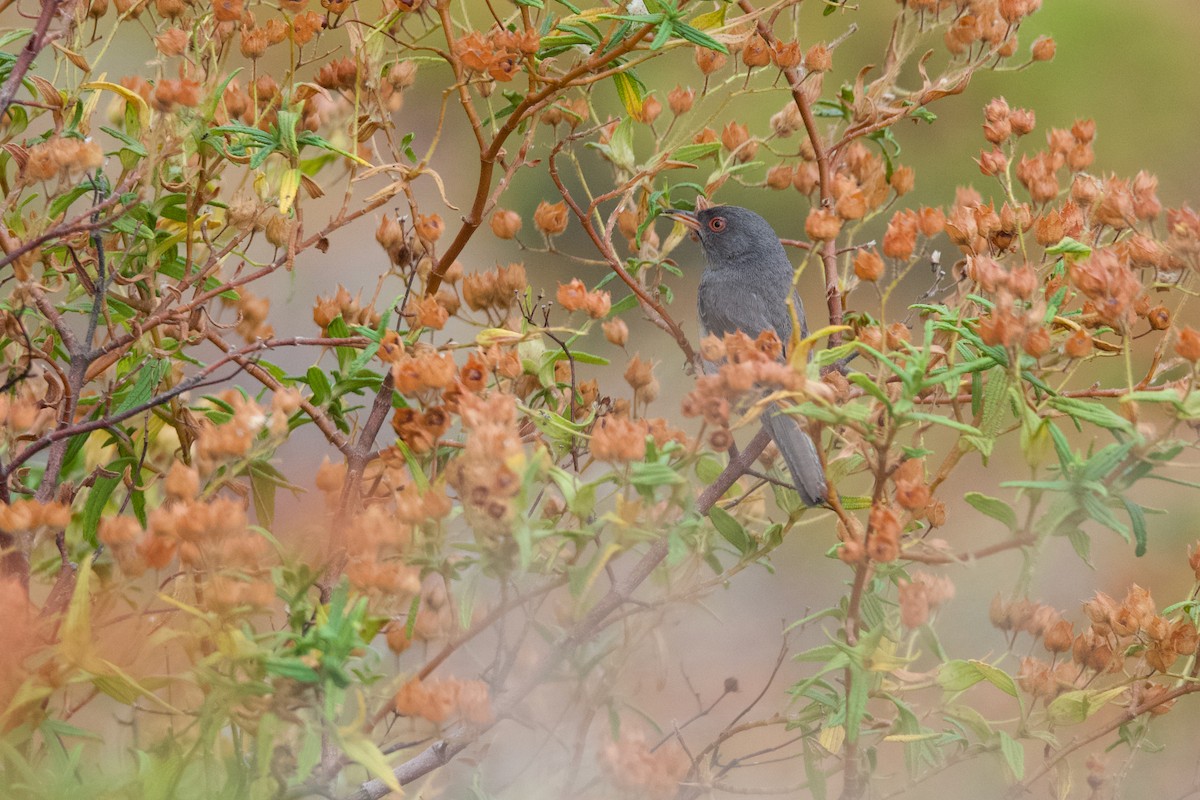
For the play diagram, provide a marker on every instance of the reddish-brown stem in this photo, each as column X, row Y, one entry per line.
column 37, row 41
column 657, row 313
column 490, row 154
column 833, row 297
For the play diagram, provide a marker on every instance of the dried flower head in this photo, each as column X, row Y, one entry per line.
column 551, row 219
column 506, row 224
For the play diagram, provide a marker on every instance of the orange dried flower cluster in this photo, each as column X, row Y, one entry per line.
column 428, row 311
column 213, row 538
column 505, row 223
column 169, row 93
column 437, row 701
column 912, row 492
column 399, row 77
column 395, row 241
column 498, row 53
column 574, row 296
column 921, row 596
column 571, row 110
column 620, row 439
column 376, row 543
column 217, row 443
column 484, row 474
column 423, row 370
column 252, row 316
column 349, row 308
column 746, row 368
column 1110, row 285
column 24, row 516
column 1188, row 345
column 639, row 375
column 1117, row 633
column 1038, row 173
column 645, row 771
column 859, row 186
column 993, row 23
column 494, row 290
column 58, row 156
column 22, row 411
column 420, row 429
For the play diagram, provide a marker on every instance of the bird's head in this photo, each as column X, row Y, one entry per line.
column 731, row 235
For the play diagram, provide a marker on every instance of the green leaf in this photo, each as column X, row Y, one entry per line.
column 1081, row 543
column 957, row 675
column 1090, row 411
column 856, row 701
column 262, row 490
column 993, row 507
column 1097, row 510
column 131, row 144
column 696, row 36
column 1069, row 246
column 948, row 422
column 1071, row 708
column 148, row 379
column 997, row 677
column 64, row 200
column 695, row 152
column 730, row 529
column 292, row 668
column 1137, row 518
column 319, row 383
column 662, row 35
column 650, row 476
column 868, row 385
column 923, row 113
column 97, row 499
column 1014, row 755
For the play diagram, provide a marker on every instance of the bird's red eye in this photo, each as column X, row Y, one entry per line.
column 716, row 224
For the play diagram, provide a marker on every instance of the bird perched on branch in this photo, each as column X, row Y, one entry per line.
column 746, row 288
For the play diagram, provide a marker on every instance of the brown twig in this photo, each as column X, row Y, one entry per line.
column 491, row 153
column 654, row 309
column 833, row 296
column 36, row 42
column 444, row 750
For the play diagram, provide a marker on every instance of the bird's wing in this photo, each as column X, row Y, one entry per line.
column 727, row 305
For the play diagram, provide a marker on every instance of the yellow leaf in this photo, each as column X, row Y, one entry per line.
column 630, row 94
column 884, row 659
column 76, row 644
column 831, row 738
column 713, row 19
column 490, row 336
column 911, row 737
column 359, row 748
column 289, row 185
column 798, row 355
column 129, row 95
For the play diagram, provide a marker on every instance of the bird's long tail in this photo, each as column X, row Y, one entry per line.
column 800, row 454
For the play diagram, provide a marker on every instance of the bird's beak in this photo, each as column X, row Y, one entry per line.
column 687, row 218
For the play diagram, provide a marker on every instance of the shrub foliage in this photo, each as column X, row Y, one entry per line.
column 500, row 522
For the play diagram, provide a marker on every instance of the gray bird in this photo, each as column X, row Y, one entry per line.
column 745, row 288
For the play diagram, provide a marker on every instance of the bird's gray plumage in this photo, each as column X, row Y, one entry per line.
column 745, row 288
